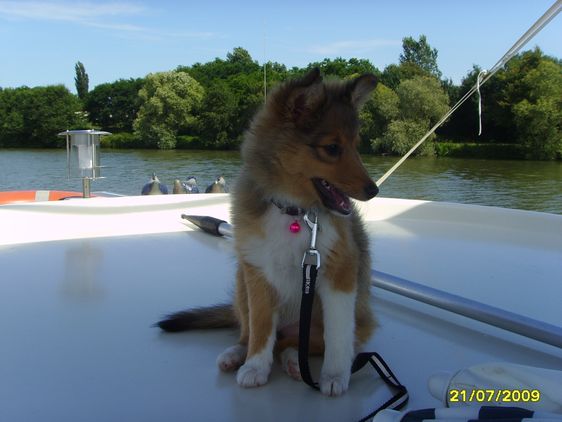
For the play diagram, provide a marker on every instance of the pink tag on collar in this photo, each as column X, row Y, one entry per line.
column 295, row 227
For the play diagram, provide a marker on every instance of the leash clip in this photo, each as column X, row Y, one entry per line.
column 311, row 256
column 311, row 220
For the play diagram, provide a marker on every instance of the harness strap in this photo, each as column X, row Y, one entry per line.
column 310, row 272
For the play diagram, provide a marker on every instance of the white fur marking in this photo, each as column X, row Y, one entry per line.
column 279, row 256
column 258, row 366
column 232, row 357
column 339, row 334
column 290, row 363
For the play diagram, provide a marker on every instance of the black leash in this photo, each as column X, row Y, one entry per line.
column 311, row 264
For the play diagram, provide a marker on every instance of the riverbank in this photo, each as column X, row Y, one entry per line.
column 449, row 149
column 496, row 151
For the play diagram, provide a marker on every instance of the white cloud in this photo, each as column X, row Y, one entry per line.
column 84, row 13
column 352, row 47
column 105, row 16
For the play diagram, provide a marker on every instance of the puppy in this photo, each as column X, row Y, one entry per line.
column 299, row 156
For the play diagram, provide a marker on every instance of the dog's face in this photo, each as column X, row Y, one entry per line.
column 313, row 129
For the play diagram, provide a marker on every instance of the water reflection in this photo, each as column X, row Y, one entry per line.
column 81, row 267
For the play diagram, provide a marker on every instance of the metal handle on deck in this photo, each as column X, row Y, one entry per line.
column 510, row 321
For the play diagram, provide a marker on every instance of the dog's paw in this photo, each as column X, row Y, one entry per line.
column 334, row 385
column 232, row 358
column 290, row 363
column 252, row 374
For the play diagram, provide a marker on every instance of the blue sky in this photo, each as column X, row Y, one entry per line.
column 40, row 41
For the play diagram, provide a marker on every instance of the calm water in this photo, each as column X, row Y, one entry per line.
column 529, row 185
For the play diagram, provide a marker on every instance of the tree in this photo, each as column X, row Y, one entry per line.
column 81, row 81
column 238, row 62
column 168, row 101
column 421, row 103
column 521, row 104
column 463, row 124
column 234, row 86
column 377, row 113
column 422, row 98
column 538, row 116
column 218, row 116
column 114, row 106
column 343, row 68
column 421, row 54
column 402, row 134
column 33, row 117
column 393, row 74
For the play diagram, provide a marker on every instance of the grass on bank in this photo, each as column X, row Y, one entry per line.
column 441, row 149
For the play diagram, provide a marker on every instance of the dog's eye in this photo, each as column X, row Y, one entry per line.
column 333, row 150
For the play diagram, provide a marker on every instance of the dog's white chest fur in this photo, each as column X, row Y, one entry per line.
column 279, row 255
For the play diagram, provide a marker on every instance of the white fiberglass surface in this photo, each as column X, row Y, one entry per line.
column 78, row 343
column 494, row 266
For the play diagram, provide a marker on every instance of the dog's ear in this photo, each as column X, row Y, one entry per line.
column 304, row 96
column 360, row 89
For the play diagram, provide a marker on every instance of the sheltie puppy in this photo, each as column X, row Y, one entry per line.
column 299, row 155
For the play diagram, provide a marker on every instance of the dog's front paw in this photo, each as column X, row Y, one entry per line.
column 232, row 358
column 252, row 374
column 290, row 363
column 334, row 385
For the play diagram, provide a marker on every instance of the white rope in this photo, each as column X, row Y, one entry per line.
column 478, row 82
column 525, row 38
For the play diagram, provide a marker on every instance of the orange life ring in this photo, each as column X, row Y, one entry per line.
column 11, row 197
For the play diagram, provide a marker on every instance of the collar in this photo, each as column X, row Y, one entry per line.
column 289, row 210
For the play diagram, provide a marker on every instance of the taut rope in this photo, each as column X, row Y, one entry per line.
column 525, row 38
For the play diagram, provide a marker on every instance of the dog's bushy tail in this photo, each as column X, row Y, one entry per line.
column 217, row 316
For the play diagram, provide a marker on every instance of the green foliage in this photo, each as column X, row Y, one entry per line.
column 474, row 150
column 410, row 112
column 421, row 54
column 81, row 80
column 393, row 74
column 32, row 117
column 233, row 92
column 344, row 69
column 377, row 113
column 168, row 101
column 238, row 62
column 422, row 98
column 122, row 140
column 114, row 106
column 218, row 115
column 539, row 127
column 209, row 105
column 520, row 104
column 191, row 142
column 401, row 135
column 463, row 124
column 538, row 116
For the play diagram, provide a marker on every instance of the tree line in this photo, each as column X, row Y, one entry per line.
column 209, row 106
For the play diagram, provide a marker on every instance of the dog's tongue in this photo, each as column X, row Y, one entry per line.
column 332, row 197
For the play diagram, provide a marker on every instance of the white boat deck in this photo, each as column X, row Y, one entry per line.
column 84, row 280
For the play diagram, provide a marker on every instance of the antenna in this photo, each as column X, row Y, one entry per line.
column 264, row 65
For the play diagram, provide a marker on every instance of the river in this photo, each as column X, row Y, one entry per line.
column 528, row 185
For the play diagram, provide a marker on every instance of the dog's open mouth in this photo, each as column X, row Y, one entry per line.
column 332, row 198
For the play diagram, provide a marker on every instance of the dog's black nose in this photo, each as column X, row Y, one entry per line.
column 371, row 190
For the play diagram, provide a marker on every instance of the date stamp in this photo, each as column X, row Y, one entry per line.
column 493, row 395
